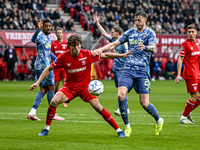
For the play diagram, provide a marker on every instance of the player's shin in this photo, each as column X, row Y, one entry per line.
column 50, row 95
column 197, row 103
column 151, row 109
column 50, row 114
column 123, row 110
column 108, row 118
column 188, row 108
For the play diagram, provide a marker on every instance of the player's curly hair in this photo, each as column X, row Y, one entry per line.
column 74, row 40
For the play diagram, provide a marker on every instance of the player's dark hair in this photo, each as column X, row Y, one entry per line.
column 191, row 26
column 74, row 40
column 45, row 21
column 141, row 13
column 118, row 29
column 59, row 28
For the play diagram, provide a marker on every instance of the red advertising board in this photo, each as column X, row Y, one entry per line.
column 20, row 38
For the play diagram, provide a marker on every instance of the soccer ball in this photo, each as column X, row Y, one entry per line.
column 96, row 87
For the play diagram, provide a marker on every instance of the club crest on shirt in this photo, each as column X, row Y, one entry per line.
column 83, row 62
column 182, row 48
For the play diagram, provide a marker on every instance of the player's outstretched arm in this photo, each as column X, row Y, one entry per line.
column 101, row 29
column 34, row 37
column 149, row 48
column 42, row 76
column 108, row 47
column 179, row 66
column 115, row 55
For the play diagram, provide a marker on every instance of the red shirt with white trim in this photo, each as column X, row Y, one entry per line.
column 78, row 68
column 59, row 48
column 190, row 51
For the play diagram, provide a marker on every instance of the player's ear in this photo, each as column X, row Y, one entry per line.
column 145, row 20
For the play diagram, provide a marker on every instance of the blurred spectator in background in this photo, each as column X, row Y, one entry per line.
column 158, row 69
column 170, row 69
column 69, row 25
column 10, row 57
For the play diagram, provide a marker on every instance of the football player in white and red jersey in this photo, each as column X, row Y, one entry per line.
column 77, row 64
column 58, row 47
column 189, row 55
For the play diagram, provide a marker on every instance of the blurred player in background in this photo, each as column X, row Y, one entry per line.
column 136, row 70
column 189, row 55
column 43, row 60
column 118, row 63
column 58, row 47
column 78, row 69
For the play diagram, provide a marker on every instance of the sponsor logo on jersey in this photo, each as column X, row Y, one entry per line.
column 83, row 58
column 76, row 70
column 195, row 53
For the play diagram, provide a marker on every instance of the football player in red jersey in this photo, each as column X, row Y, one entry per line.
column 58, row 47
column 189, row 55
column 78, row 68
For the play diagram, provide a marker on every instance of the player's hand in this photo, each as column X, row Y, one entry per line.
column 141, row 46
column 177, row 79
column 40, row 24
column 33, row 86
column 96, row 52
column 127, row 54
column 95, row 17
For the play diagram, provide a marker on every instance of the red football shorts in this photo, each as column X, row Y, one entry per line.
column 74, row 92
column 193, row 85
column 59, row 74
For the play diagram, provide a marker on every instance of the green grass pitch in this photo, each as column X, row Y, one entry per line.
column 84, row 129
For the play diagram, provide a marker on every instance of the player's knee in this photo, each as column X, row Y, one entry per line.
column 121, row 96
column 144, row 104
column 54, row 102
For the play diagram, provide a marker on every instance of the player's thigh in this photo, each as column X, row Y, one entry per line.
column 51, row 87
column 126, row 80
column 117, row 75
column 142, row 85
column 59, row 98
column 192, row 85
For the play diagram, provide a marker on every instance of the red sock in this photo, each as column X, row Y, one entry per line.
column 108, row 117
column 50, row 114
column 188, row 108
column 197, row 103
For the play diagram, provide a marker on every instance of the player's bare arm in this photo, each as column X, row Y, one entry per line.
column 179, row 66
column 150, row 48
column 101, row 29
column 115, row 55
column 42, row 76
column 108, row 47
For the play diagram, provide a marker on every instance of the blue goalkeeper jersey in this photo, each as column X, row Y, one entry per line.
column 43, row 47
column 118, row 63
column 139, row 60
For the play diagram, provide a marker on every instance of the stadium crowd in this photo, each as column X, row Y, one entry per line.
column 24, row 14
column 164, row 16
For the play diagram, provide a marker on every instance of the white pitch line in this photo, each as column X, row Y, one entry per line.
column 164, row 116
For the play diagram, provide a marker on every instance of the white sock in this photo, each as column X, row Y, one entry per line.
column 47, row 127
column 159, row 121
column 118, row 130
column 33, row 111
column 183, row 117
column 127, row 126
